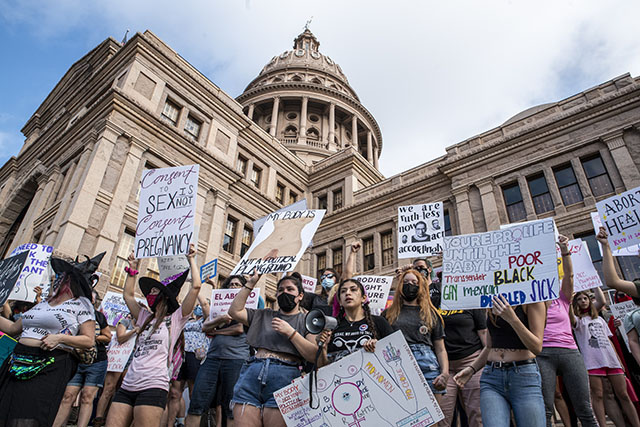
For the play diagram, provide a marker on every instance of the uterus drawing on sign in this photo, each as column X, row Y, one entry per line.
column 284, row 240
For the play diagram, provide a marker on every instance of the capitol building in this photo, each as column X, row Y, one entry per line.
column 298, row 131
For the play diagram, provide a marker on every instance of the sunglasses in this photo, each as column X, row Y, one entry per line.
column 327, row 276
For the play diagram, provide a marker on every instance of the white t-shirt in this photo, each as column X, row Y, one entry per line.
column 592, row 336
column 64, row 318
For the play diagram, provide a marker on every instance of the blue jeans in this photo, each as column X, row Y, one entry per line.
column 260, row 378
column 428, row 363
column 516, row 388
column 90, row 375
column 214, row 373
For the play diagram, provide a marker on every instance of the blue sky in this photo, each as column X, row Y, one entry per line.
column 432, row 73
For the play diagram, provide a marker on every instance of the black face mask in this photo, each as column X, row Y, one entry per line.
column 423, row 271
column 410, row 291
column 286, row 302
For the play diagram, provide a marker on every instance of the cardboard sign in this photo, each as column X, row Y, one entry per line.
column 281, row 242
column 118, row 354
column 377, row 289
column 209, row 270
column 420, row 230
column 518, row 262
column 221, row 300
column 620, row 216
column 309, row 283
column 172, row 266
column 585, row 275
column 115, row 308
column 36, row 272
column 10, row 270
column 300, row 205
column 384, row 388
column 628, row 251
column 619, row 311
column 166, row 214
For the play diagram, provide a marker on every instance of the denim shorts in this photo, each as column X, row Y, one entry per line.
column 260, row 378
column 428, row 363
column 90, row 375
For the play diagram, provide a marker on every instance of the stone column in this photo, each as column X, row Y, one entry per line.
column 463, row 210
column 354, row 132
column 274, row 115
column 583, row 183
column 302, row 135
column 526, row 198
column 214, row 240
column 369, row 147
column 375, row 155
column 251, row 109
column 489, row 206
column 622, row 158
column 272, row 181
column 556, row 197
column 377, row 252
column 24, row 234
column 332, row 125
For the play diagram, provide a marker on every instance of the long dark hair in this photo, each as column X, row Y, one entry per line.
column 365, row 306
column 227, row 281
column 63, row 281
column 294, row 277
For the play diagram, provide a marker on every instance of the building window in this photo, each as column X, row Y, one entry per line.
column 594, row 250
column 229, row 235
column 387, row 248
column 447, row 223
column 321, row 263
column 293, row 197
column 118, row 275
column 322, row 202
column 170, row 112
column 337, row 260
column 280, row 193
column 337, row 199
column 192, row 127
column 597, row 175
column 540, row 194
column 241, row 165
column 514, row 203
column 256, row 175
column 247, row 235
column 568, row 185
column 153, row 270
column 367, row 251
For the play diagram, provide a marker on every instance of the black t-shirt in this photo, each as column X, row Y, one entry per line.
column 460, row 327
column 435, row 292
column 101, row 323
column 636, row 300
column 348, row 337
column 414, row 329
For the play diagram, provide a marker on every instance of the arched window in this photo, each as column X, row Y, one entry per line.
column 290, row 131
column 316, row 81
column 296, row 78
column 313, row 133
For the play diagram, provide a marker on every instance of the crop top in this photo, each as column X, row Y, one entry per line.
column 503, row 335
column 64, row 318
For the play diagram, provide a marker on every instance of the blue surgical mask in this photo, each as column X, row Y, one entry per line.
column 197, row 311
column 328, row 283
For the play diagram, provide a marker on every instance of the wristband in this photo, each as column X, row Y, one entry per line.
column 131, row 271
column 474, row 369
column 565, row 253
column 245, row 286
column 291, row 336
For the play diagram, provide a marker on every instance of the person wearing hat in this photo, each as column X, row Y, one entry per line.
column 143, row 394
column 34, row 377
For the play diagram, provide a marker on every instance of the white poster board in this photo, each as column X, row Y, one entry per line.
column 377, row 289
column 384, row 388
column 518, row 262
column 118, row 354
column 35, row 272
column 420, row 230
column 309, row 283
column 166, row 213
column 618, row 311
column 628, row 251
column 221, row 300
column 282, row 240
column 300, row 205
column 114, row 307
column 585, row 275
column 620, row 216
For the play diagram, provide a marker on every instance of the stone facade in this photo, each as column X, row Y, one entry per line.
column 120, row 109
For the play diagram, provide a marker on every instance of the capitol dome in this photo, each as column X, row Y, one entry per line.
column 303, row 98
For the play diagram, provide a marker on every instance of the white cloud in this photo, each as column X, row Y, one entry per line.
column 432, row 73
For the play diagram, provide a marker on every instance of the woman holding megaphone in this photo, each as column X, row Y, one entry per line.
column 282, row 343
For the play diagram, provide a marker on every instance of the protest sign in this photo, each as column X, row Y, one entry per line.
column 300, row 205
column 114, row 308
column 34, row 273
column 171, row 266
column 628, row 251
column 10, row 270
column 364, row 389
column 118, row 354
column 309, row 283
column 209, row 270
column 518, row 262
column 420, row 230
column 377, row 289
column 166, row 214
column 620, row 216
column 618, row 311
column 281, row 242
column 585, row 275
column 7, row 344
column 221, row 300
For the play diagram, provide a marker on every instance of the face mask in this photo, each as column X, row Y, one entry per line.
column 286, row 302
column 423, row 271
column 410, row 291
column 197, row 311
column 151, row 299
column 328, row 283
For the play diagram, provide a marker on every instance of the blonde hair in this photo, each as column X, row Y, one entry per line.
column 592, row 311
column 428, row 312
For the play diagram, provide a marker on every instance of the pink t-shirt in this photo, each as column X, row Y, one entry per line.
column 557, row 333
column 148, row 367
column 593, row 338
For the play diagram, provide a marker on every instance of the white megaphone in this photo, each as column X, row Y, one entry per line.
column 316, row 322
